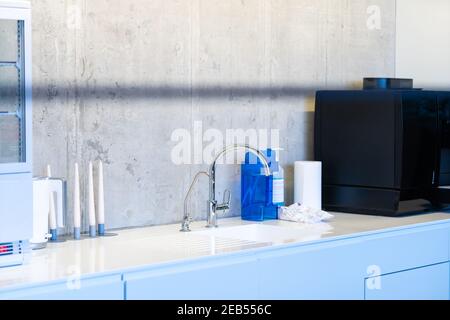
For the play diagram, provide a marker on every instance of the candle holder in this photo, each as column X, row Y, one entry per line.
column 92, row 232
column 101, row 229
column 55, row 237
column 102, row 233
column 76, row 233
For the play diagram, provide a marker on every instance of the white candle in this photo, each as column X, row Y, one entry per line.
column 49, row 171
column 52, row 209
column 76, row 199
column 100, row 195
column 91, row 200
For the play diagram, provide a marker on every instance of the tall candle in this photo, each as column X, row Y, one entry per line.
column 76, row 199
column 49, row 171
column 100, row 195
column 91, row 200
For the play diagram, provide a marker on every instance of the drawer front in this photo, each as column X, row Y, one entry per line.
column 102, row 288
column 335, row 270
column 407, row 249
column 231, row 280
column 326, row 271
column 431, row 282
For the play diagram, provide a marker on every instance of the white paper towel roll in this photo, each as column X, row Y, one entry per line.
column 308, row 183
column 52, row 208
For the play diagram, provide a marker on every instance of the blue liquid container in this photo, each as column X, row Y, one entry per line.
column 261, row 195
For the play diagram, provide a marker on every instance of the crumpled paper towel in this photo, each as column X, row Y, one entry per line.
column 301, row 213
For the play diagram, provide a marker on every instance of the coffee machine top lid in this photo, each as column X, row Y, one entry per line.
column 387, row 83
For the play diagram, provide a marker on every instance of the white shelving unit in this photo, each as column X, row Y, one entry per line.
column 15, row 131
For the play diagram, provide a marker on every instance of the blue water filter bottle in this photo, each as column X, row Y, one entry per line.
column 261, row 195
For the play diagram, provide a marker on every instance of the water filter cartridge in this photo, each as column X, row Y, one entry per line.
column 261, row 195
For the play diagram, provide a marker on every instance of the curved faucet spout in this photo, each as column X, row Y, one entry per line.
column 213, row 206
column 234, row 147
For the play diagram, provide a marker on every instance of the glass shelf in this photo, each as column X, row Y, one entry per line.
column 9, row 89
column 8, row 40
column 10, row 139
column 12, row 93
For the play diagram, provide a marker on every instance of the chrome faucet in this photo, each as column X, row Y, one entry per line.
column 185, row 224
column 212, row 205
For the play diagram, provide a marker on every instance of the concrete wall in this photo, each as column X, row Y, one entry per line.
column 423, row 42
column 113, row 79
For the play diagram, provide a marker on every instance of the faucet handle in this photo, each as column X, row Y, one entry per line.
column 227, row 197
column 226, row 201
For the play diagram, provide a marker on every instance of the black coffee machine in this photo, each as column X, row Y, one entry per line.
column 385, row 150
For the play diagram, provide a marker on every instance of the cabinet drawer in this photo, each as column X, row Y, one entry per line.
column 217, row 280
column 324, row 271
column 407, row 249
column 431, row 282
column 101, row 288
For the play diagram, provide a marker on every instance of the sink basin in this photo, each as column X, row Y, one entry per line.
column 269, row 233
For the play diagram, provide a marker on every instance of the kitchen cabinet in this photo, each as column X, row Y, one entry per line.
column 334, row 269
column 14, row 188
column 225, row 278
column 327, row 271
column 95, row 288
column 409, row 262
column 15, row 123
column 407, row 248
column 15, row 90
column 430, row 282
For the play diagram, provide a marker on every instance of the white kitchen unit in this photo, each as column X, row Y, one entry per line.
column 15, row 131
column 351, row 257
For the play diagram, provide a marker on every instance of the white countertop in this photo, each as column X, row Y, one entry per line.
column 14, row 4
column 147, row 246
